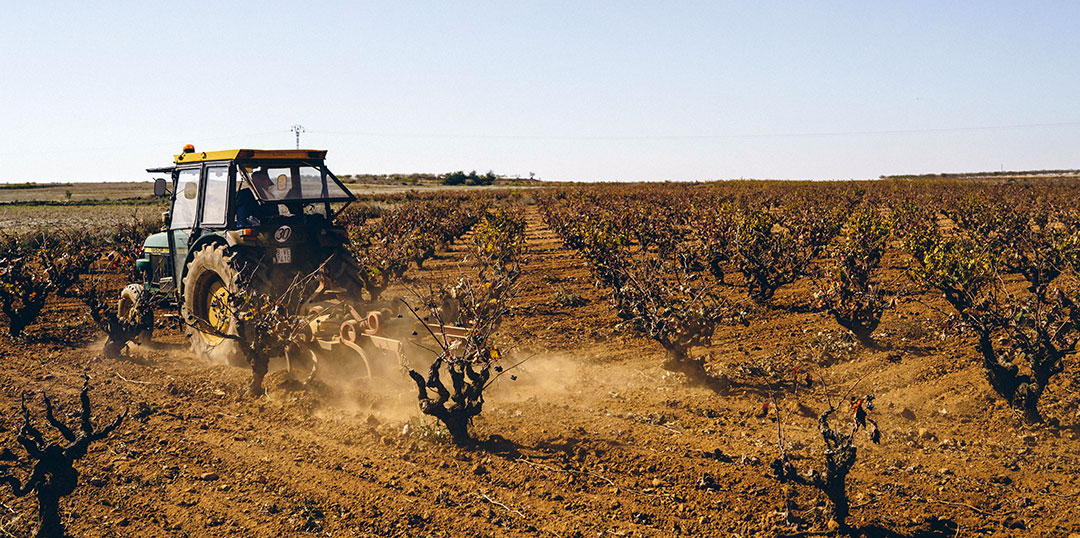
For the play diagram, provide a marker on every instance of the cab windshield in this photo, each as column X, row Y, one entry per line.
column 294, row 181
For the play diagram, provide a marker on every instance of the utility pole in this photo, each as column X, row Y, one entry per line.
column 297, row 129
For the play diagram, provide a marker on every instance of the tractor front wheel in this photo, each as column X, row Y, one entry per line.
column 132, row 308
column 209, row 320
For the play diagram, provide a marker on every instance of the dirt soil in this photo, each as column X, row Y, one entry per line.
column 592, row 438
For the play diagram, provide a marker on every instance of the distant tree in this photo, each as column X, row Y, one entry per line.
column 455, row 178
column 472, row 178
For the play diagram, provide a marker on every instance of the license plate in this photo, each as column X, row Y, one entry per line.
column 283, row 255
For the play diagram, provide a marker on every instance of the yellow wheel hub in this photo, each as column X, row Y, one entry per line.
column 217, row 312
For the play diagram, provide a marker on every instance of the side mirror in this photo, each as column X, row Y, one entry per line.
column 160, row 189
column 282, row 182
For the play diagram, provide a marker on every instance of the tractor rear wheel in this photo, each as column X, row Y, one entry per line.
column 344, row 272
column 207, row 316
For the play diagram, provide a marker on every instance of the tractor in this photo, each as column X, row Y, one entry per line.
column 261, row 219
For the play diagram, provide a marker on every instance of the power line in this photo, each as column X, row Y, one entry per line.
column 142, row 145
column 297, row 129
column 698, row 137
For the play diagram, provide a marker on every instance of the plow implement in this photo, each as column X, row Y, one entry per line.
column 336, row 332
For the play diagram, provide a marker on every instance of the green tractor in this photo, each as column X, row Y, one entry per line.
column 262, row 219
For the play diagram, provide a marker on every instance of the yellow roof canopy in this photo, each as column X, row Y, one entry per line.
column 244, row 154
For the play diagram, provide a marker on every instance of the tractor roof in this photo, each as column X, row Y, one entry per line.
column 244, row 154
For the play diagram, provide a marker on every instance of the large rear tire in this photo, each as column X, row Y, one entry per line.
column 344, row 272
column 211, row 277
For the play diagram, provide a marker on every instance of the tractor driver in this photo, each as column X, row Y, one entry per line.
column 248, row 208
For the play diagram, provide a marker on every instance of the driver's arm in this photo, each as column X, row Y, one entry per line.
column 247, row 206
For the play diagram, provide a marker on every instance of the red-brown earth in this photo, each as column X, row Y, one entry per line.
column 593, row 438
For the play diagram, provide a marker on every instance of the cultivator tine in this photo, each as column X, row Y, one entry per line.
column 299, row 348
column 295, row 351
column 391, row 346
column 363, row 357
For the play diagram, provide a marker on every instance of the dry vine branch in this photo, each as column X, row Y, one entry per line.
column 852, row 294
column 53, row 475
column 1036, row 330
column 839, row 456
column 483, row 303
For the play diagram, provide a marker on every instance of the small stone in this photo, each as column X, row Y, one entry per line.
column 707, row 483
column 209, row 476
column 1018, row 524
column 907, row 413
column 1029, row 438
column 97, row 482
column 479, row 469
column 656, row 482
column 925, row 434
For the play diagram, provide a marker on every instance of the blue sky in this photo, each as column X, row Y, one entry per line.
column 581, row 90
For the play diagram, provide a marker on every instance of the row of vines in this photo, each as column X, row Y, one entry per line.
column 679, row 260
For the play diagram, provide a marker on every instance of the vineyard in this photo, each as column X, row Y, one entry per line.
column 886, row 358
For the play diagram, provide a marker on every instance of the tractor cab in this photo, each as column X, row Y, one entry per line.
column 278, row 205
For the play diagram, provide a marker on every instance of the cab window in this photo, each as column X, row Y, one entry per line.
column 186, row 199
column 216, row 196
